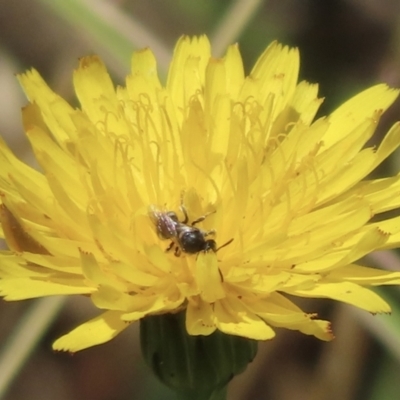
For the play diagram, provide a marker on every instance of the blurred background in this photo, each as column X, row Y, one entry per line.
column 345, row 46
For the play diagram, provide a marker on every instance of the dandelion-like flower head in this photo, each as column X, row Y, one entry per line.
column 282, row 197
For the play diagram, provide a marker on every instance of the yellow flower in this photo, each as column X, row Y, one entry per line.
column 242, row 151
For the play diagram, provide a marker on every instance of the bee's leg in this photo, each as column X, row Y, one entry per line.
column 177, row 251
column 202, row 218
column 169, row 248
column 210, row 232
column 184, row 211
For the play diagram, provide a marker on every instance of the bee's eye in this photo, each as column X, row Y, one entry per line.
column 192, row 241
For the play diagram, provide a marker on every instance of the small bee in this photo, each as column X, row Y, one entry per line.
column 185, row 237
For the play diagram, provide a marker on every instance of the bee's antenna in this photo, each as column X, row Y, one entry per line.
column 225, row 244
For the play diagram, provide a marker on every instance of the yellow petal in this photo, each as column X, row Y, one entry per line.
column 209, row 278
column 187, row 70
column 92, row 270
column 199, row 318
column 347, row 292
column 305, row 102
column 280, row 312
column 167, row 299
column 276, row 71
column 360, row 245
column 17, row 236
column 94, row 88
column 389, row 144
column 234, row 70
column 232, row 318
column 54, row 109
column 94, row 332
column 144, row 65
column 363, row 276
column 382, row 194
column 20, row 288
column 358, row 109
